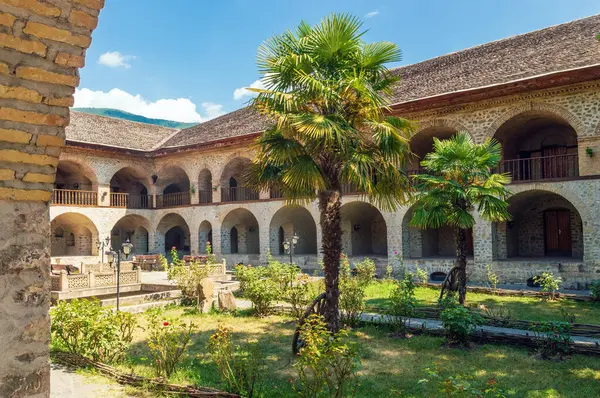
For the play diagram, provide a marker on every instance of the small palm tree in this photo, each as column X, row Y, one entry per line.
column 326, row 93
column 460, row 179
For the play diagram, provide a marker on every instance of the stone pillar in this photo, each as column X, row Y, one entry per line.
column 500, row 240
column 393, row 222
column 482, row 241
column 216, row 239
column 92, row 279
column 216, row 193
column 264, row 240
column 103, row 195
column 265, row 194
column 194, row 243
column 43, row 45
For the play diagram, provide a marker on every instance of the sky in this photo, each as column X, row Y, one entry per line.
column 190, row 60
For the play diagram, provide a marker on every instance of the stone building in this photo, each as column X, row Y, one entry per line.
column 537, row 93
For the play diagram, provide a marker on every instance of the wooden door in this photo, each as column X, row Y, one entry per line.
column 557, row 227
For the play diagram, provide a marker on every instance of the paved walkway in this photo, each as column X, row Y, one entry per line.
column 65, row 383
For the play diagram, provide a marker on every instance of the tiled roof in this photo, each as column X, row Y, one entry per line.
column 237, row 123
column 112, row 132
column 557, row 48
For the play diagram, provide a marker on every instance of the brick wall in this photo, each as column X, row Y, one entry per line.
column 42, row 45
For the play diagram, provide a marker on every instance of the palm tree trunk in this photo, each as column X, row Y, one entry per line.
column 331, row 246
column 461, row 264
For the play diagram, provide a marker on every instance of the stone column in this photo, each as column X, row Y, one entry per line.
column 43, row 45
column 264, row 241
column 482, row 241
column 194, row 243
column 103, row 195
column 216, row 193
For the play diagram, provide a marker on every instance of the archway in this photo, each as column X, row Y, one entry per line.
column 431, row 242
column 239, row 233
column 134, row 228
column 205, row 235
column 205, row 186
column 173, row 231
column 129, row 188
column 544, row 225
column 75, row 184
column 73, row 234
column 174, row 187
column 290, row 220
column 233, row 184
column 364, row 230
column 538, row 145
column 422, row 143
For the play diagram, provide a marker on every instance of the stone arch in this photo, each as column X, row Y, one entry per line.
column 244, row 225
column 290, row 220
column 364, row 231
column 205, row 235
column 205, row 186
column 439, row 123
column 134, row 227
column 71, row 174
column 544, row 224
column 429, row 243
column 171, row 179
column 543, row 107
column 233, row 181
column 173, row 231
column 73, row 234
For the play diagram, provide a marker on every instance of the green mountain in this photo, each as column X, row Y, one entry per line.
column 134, row 118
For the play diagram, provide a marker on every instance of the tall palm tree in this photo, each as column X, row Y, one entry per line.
column 460, row 179
column 326, row 94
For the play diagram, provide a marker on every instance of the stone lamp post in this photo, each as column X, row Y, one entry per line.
column 110, row 255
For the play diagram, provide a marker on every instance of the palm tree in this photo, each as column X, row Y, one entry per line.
column 326, row 94
column 460, row 179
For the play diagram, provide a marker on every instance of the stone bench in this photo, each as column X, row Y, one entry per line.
column 147, row 262
column 57, row 268
column 199, row 259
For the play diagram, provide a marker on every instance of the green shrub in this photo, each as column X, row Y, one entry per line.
column 190, row 280
column 241, row 369
column 422, row 276
column 459, row 323
column 462, row 385
column 553, row 338
column 299, row 295
column 327, row 364
column 493, row 278
column 595, row 290
column 549, row 284
column 448, row 300
column 175, row 257
column 402, row 304
column 168, row 340
column 84, row 327
column 283, row 274
column 259, row 287
column 353, row 286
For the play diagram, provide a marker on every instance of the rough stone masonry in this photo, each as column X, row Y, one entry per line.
column 42, row 45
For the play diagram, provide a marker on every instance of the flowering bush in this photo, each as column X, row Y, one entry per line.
column 168, row 340
column 84, row 327
column 175, row 257
column 241, row 368
column 327, row 364
column 190, row 280
column 258, row 287
column 353, row 284
column 299, row 295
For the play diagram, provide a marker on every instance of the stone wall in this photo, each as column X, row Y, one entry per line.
column 42, row 45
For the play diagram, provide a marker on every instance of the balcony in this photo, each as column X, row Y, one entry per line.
column 238, row 194
column 275, row 193
column 542, row 168
column 130, row 201
column 173, row 200
column 73, row 197
column 205, row 196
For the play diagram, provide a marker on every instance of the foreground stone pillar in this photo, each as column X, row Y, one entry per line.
column 482, row 241
column 42, row 44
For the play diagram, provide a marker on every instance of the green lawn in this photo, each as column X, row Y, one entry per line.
column 522, row 308
column 391, row 366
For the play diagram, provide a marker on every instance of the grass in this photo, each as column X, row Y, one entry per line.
column 390, row 366
column 522, row 308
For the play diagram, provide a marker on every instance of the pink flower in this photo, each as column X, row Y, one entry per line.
column 395, row 253
column 165, row 323
column 173, row 248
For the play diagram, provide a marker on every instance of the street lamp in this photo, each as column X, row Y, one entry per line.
column 110, row 255
column 289, row 246
column 101, row 244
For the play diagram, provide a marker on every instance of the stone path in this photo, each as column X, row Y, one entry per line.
column 66, row 383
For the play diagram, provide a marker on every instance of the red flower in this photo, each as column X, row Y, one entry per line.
column 173, row 248
column 165, row 323
column 395, row 253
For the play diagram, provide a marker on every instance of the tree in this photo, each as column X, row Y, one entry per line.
column 326, row 94
column 460, row 179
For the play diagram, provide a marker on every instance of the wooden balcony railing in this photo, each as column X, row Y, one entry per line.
column 275, row 193
column 238, row 194
column 349, row 189
column 542, row 168
column 73, row 197
column 130, row 201
column 173, row 199
column 205, row 196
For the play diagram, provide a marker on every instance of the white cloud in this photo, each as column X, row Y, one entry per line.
column 372, row 14
column 179, row 109
column 115, row 59
column 241, row 92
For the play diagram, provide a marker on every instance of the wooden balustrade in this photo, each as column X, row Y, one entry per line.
column 275, row 193
column 173, row 199
column 205, row 196
column 541, row 168
column 238, row 194
column 74, row 197
column 349, row 189
column 130, row 201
